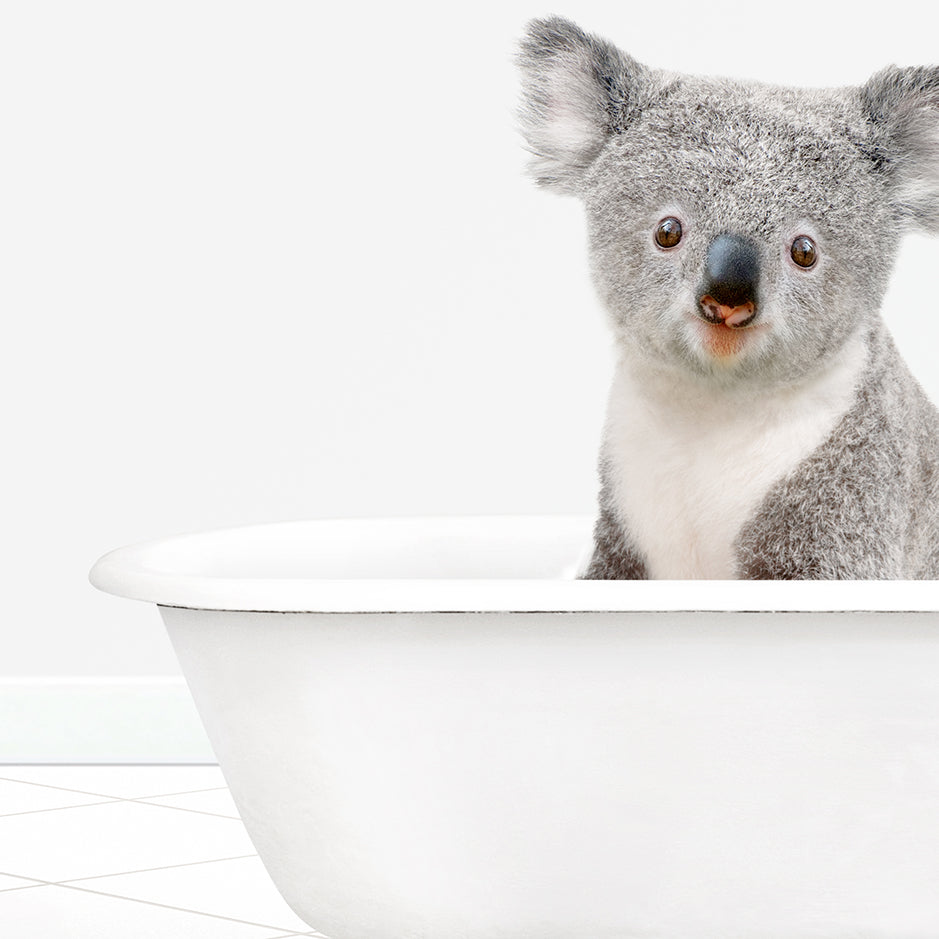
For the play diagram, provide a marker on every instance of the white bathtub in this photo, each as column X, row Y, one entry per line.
column 431, row 735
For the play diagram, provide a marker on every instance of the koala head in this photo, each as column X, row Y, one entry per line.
column 738, row 232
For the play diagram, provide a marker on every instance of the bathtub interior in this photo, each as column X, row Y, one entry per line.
column 476, row 548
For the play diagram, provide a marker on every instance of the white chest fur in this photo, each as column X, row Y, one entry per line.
column 688, row 468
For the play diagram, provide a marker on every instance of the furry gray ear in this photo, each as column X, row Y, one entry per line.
column 902, row 105
column 577, row 91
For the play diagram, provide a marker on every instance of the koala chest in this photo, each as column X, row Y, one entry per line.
column 686, row 471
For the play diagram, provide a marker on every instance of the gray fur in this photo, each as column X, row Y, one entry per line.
column 860, row 166
column 864, row 504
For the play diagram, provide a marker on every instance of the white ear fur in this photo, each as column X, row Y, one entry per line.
column 903, row 107
column 575, row 93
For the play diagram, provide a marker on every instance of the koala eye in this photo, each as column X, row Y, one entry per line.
column 668, row 234
column 803, row 251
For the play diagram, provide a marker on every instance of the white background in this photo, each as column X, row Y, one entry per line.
column 275, row 260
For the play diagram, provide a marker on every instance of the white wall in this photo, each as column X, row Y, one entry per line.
column 275, row 260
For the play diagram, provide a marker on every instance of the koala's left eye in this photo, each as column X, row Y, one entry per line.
column 668, row 234
column 803, row 251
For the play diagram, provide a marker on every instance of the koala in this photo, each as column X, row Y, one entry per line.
column 761, row 423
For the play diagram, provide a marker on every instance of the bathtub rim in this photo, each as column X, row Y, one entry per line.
column 131, row 572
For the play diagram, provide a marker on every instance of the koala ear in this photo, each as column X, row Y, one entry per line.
column 902, row 105
column 576, row 93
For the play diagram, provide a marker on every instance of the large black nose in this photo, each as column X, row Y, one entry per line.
column 732, row 271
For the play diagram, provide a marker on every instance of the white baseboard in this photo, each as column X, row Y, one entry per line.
column 100, row 720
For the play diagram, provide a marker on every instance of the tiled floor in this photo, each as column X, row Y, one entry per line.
column 107, row 852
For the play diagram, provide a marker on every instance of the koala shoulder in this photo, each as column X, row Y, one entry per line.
column 865, row 504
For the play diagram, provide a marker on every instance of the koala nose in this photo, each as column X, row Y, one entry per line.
column 731, row 275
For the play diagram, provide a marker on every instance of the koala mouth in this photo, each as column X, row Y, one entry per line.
column 725, row 330
column 720, row 314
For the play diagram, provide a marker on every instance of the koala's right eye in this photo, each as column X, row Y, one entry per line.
column 668, row 234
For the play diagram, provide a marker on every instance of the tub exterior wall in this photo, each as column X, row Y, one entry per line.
column 510, row 775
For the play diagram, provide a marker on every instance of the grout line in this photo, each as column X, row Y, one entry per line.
column 39, row 879
column 37, row 882
column 290, row 935
column 101, row 795
column 108, row 800
column 167, row 906
column 145, row 870
column 61, row 808
column 81, row 792
column 70, row 886
column 180, row 808
column 167, row 795
column 33, row 882
column 309, row 932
